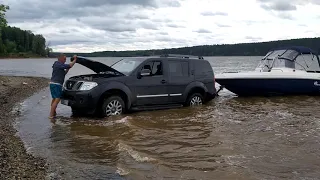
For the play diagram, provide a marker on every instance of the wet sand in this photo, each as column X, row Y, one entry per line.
column 15, row 163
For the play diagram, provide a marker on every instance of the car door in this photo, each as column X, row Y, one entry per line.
column 152, row 89
column 179, row 78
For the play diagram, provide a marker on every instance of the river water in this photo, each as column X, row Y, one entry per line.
column 229, row 138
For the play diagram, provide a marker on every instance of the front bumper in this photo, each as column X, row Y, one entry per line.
column 79, row 99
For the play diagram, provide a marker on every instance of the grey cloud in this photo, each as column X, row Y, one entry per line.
column 223, row 25
column 147, row 25
column 27, row 11
column 308, row 32
column 108, row 24
column 285, row 16
column 106, row 15
column 202, row 31
column 253, row 38
column 175, row 26
column 146, row 39
column 162, row 20
column 163, row 33
column 113, row 27
column 97, row 23
column 208, row 13
column 98, row 3
column 66, row 42
column 136, row 16
column 118, row 25
column 40, row 9
column 317, row 2
column 165, row 39
column 63, row 31
column 173, row 3
column 251, row 22
column 285, row 5
column 120, row 28
column 89, row 38
column 168, row 3
column 279, row 6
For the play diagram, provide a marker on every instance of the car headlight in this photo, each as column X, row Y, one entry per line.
column 87, row 86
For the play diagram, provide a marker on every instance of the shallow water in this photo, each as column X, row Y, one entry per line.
column 230, row 138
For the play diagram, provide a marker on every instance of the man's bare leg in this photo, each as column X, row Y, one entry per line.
column 55, row 113
column 54, row 107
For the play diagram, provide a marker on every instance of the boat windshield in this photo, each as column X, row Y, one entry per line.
column 126, row 66
column 285, row 54
column 289, row 59
column 307, row 62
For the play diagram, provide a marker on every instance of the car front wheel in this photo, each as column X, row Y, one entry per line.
column 195, row 99
column 113, row 106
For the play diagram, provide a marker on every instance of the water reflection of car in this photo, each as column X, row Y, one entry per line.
column 140, row 83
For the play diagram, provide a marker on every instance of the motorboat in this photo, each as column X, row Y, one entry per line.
column 291, row 70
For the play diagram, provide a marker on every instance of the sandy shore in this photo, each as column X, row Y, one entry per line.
column 15, row 163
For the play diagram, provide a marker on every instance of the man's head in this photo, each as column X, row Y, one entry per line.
column 62, row 58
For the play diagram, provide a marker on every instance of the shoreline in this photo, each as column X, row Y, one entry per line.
column 15, row 162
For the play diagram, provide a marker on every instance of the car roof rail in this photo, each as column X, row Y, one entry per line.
column 181, row 56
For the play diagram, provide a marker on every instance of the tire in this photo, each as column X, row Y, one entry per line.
column 195, row 99
column 113, row 105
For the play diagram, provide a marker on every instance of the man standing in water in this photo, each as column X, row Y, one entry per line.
column 59, row 71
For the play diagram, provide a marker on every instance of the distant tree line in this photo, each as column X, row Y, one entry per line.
column 17, row 42
column 244, row 49
column 14, row 40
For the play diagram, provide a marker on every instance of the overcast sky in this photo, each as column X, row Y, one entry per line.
column 97, row 25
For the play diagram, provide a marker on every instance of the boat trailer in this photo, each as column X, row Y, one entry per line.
column 220, row 88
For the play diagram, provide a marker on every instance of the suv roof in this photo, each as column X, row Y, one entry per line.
column 99, row 67
column 181, row 56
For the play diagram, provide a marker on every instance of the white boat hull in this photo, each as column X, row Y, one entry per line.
column 275, row 82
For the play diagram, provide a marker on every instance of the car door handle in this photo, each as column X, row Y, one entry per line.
column 163, row 81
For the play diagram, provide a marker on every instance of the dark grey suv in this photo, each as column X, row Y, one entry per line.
column 144, row 83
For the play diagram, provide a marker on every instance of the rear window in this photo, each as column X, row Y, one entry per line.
column 179, row 68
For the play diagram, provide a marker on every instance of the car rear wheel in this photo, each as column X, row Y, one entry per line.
column 195, row 99
column 112, row 106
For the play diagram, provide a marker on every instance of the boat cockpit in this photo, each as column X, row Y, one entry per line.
column 290, row 59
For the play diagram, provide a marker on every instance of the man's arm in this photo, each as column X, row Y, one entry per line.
column 71, row 64
column 74, row 61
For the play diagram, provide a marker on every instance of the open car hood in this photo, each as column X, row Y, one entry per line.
column 97, row 67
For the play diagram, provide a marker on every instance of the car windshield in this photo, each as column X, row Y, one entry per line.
column 126, row 66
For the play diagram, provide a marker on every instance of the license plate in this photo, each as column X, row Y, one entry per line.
column 64, row 101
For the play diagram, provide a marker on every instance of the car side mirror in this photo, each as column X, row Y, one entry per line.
column 145, row 72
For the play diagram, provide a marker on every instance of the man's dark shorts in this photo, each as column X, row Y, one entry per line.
column 56, row 90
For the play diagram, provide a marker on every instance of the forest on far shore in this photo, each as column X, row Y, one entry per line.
column 16, row 42
column 243, row 49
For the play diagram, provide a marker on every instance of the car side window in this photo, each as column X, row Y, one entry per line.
column 155, row 67
column 178, row 68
